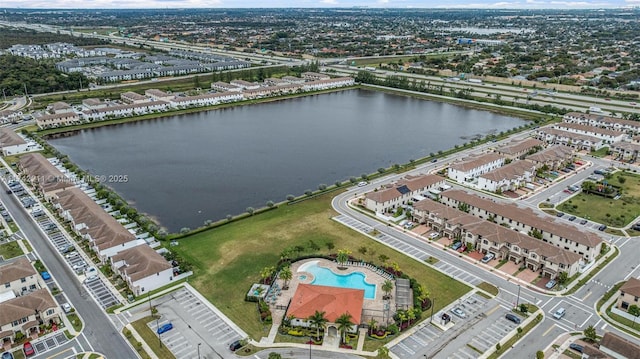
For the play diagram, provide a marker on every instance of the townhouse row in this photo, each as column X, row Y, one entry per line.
column 140, row 266
column 25, row 302
column 409, row 189
column 504, row 243
column 62, row 114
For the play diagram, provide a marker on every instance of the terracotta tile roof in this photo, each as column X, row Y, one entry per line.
column 632, row 286
column 587, row 128
column 626, row 348
column 141, row 262
column 472, row 162
column 526, row 216
column 20, row 268
column 411, row 183
column 26, row 305
column 567, row 134
column 333, row 301
column 105, row 230
column 518, row 146
column 9, row 137
column 552, row 153
column 513, row 170
column 603, row 119
column 41, row 172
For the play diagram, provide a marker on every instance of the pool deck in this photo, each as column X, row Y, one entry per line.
column 372, row 308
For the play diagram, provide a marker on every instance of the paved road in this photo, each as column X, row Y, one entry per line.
column 98, row 333
column 580, row 306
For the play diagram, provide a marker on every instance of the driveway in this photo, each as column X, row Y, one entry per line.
column 528, row 275
column 510, row 267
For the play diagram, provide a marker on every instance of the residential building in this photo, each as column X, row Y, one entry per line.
column 619, row 347
column 570, row 139
column 93, row 104
column 159, row 95
column 509, row 177
column 607, row 122
column 225, row 87
column 629, row 294
column 60, row 107
column 504, row 243
column 625, row 151
column 326, row 84
column 11, row 142
column 389, row 197
column 606, row 135
column 520, row 148
column 26, row 313
column 142, row 268
column 294, row 80
column 245, row 85
column 271, row 91
column 473, row 166
column 584, row 243
column 118, row 111
column 554, row 157
column 106, row 236
column 272, row 81
column 207, row 99
column 132, row 97
column 42, row 175
column 18, row 278
column 333, row 301
column 10, row 116
column 313, row 76
column 57, row 120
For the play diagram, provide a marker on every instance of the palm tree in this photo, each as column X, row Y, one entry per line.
column 411, row 315
column 266, row 272
column 343, row 256
column 318, row 320
column 372, row 325
column 344, row 323
column 387, row 287
column 286, row 275
column 402, row 316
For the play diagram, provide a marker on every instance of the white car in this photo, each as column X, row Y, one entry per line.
column 459, row 313
column 66, row 307
column 91, row 273
column 433, row 235
column 362, row 184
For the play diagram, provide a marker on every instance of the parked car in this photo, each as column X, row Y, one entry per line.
column 434, row 160
column 550, row 284
column 559, row 214
column 577, row 347
column 45, row 275
column 572, row 218
column 235, row 346
column 91, row 273
column 7, row 355
column 459, row 312
column 362, row 184
column 456, row 246
column 602, row 227
column 513, row 318
column 488, row 258
column 28, row 349
column 165, row 328
column 636, row 226
column 583, row 222
column 559, row 313
column 66, row 307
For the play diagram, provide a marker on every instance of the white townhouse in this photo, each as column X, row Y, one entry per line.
column 246, row 85
column 57, row 120
column 570, row 139
column 294, row 80
column 9, row 116
column 520, row 148
column 313, row 76
column 508, row 177
column 607, row 122
column 93, row 104
column 608, row 136
column 625, row 151
column 127, row 110
column 205, row 99
column 327, row 84
column 473, row 166
column 225, row 87
column 389, row 197
column 271, row 91
column 12, row 143
column 159, row 95
column 142, row 268
column 133, row 97
column 554, row 157
column 18, row 278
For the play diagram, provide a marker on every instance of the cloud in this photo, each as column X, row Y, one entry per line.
column 535, row 2
column 329, row 2
column 383, row 2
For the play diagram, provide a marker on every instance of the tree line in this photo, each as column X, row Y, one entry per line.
column 18, row 73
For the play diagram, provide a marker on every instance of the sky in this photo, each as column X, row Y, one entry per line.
column 460, row 4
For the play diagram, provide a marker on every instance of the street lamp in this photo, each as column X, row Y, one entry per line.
column 199, row 344
column 433, row 304
column 310, row 341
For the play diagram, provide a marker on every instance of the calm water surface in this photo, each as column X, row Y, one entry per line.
column 184, row 170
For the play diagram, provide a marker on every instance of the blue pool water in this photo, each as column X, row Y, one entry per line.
column 355, row 280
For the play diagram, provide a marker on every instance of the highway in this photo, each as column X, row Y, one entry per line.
column 98, row 333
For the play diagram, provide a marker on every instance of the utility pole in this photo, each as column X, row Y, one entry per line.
column 518, row 297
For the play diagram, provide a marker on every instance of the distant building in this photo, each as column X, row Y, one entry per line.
column 392, row 196
column 519, row 148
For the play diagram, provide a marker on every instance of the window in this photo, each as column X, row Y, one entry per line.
column 534, row 256
column 485, row 241
column 7, row 285
column 22, row 280
column 50, row 312
column 624, row 305
column 635, row 299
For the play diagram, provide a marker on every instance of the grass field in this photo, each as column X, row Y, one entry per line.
column 614, row 213
column 228, row 259
column 10, row 250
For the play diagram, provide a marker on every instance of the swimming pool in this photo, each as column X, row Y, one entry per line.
column 325, row 276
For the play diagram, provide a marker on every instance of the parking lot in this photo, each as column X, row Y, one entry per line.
column 101, row 292
column 49, row 343
column 194, row 322
column 487, row 338
column 431, row 341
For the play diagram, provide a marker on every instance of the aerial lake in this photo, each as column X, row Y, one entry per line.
column 183, row 170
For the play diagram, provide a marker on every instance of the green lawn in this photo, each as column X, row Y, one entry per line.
column 613, row 213
column 151, row 338
column 228, row 259
column 10, row 250
column 601, row 152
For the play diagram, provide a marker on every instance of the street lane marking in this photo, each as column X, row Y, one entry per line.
column 493, row 310
column 58, row 353
column 548, row 330
column 604, row 326
column 586, row 296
